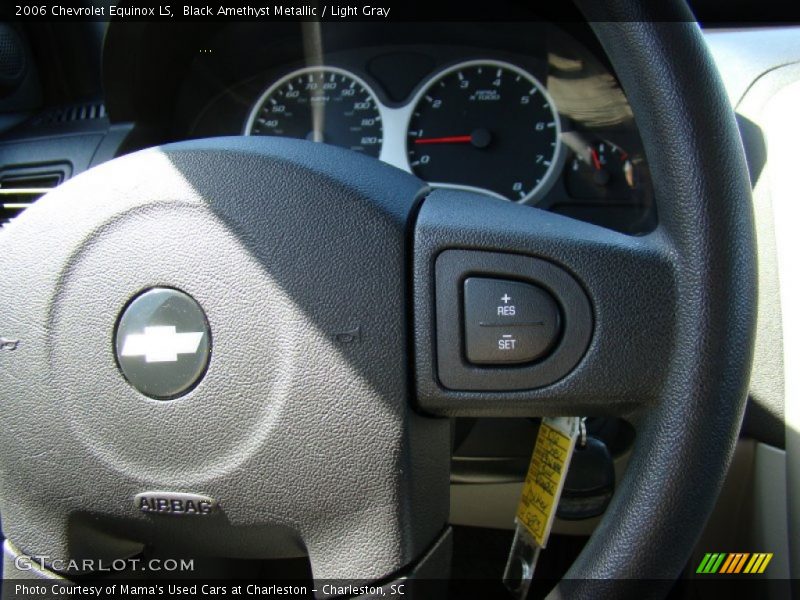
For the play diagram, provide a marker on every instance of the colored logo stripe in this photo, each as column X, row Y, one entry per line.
column 710, row 563
column 758, row 563
column 734, row 563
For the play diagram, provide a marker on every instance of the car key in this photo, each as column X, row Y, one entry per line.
column 590, row 482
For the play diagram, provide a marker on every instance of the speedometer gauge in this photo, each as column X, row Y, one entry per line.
column 321, row 104
column 485, row 125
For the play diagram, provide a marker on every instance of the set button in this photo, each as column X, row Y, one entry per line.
column 508, row 322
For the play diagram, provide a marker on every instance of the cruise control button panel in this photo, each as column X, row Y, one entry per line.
column 508, row 322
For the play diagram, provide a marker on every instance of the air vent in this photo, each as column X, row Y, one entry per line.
column 72, row 113
column 21, row 187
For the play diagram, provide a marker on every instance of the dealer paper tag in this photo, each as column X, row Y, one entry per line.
column 540, row 494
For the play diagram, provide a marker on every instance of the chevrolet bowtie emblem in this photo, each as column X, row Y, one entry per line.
column 161, row 344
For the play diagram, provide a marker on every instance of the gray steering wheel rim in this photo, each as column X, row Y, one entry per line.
column 685, row 443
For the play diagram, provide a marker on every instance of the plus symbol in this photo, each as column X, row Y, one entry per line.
column 505, row 298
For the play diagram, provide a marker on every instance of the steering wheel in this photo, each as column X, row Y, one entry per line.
column 296, row 313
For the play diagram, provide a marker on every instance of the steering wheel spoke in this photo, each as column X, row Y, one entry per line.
column 615, row 296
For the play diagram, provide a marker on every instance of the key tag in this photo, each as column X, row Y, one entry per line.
column 540, row 494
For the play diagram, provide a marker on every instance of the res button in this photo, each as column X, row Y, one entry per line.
column 508, row 322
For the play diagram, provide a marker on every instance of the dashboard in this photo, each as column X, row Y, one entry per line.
column 538, row 120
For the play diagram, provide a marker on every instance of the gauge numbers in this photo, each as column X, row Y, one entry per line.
column 485, row 125
column 320, row 104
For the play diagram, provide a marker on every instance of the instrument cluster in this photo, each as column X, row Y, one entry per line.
column 481, row 125
column 551, row 128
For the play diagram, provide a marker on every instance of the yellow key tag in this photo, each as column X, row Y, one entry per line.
column 546, row 475
column 540, row 494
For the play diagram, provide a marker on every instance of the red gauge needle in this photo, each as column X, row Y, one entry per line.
column 480, row 138
column 451, row 139
column 596, row 159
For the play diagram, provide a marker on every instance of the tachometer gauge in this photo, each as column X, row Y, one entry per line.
column 485, row 125
column 321, row 104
